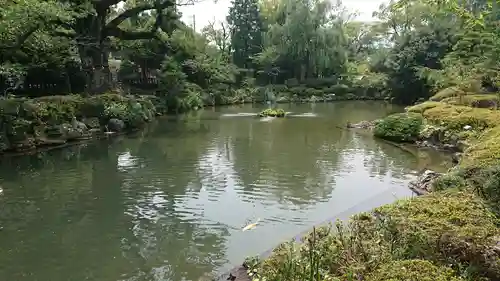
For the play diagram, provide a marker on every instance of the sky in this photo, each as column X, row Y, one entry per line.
column 208, row 10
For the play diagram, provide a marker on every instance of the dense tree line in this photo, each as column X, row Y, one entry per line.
column 298, row 49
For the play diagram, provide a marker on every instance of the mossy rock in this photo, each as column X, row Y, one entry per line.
column 448, row 93
column 272, row 113
column 92, row 122
column 484, row 152
column 422, row 107
column 479, row 101
column 451, row 225
column 19, row 129
column 457, row 117
column 401, row 127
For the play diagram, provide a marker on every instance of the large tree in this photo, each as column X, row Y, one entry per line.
column 246, row 31
column 91, row 24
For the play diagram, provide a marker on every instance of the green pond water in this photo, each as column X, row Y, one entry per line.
column 169, row 203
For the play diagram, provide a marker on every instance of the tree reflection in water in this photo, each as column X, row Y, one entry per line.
column 169, row 203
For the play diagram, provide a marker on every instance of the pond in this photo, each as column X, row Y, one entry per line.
column 169, row 203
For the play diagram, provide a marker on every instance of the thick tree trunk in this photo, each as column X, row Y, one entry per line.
column 94, row 51
column 96, row 68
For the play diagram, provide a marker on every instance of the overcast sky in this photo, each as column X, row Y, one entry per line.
column 208, row 10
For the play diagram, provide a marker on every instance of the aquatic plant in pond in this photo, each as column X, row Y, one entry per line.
column 270, row 112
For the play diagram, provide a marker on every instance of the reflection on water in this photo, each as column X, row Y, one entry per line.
column 170, row 203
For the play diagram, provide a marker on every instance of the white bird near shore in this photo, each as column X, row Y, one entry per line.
column 251, row 226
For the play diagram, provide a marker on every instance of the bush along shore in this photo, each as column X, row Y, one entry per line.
column 26, row 124
column 450, row 233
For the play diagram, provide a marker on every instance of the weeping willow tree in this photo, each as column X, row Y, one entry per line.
column 304, row 39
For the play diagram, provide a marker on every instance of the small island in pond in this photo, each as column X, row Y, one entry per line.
column 272, row 112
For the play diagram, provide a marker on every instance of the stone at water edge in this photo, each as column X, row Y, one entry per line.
column 361, row 125
column 423, row 184
column 116, row 125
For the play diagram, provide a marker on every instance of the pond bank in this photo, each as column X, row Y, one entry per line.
column 448, row 234
column 59, row 121
column 128, row 197
column 51, row 122
column 385, row 197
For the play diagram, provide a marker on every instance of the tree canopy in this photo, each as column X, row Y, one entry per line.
column 298, row 48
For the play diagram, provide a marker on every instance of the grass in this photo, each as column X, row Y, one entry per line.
column 442, row 236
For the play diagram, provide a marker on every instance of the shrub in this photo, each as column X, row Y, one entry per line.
column 277, row 112
column 401, row 127
column 449, row 181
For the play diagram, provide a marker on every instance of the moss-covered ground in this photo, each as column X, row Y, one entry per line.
column 449, row 234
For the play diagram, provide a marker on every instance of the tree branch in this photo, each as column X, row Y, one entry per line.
column 21, row 39
column 105, row 3
column 130, row 35
column 138, row 9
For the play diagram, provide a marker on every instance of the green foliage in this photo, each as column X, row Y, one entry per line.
column 449, row 181
column 31, row 121
column 484, row 152
column 276, row 112
column 402, row 127
column 245, row 26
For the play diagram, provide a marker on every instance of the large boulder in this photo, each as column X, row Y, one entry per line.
column 116, row 125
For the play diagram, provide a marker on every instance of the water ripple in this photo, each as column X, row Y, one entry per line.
column 170, row 204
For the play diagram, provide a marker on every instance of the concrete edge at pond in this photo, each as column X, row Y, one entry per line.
column 239, row 273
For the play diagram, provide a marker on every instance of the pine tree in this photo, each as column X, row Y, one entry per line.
column 246, row 31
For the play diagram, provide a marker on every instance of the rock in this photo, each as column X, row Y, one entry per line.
column 77, row 125
column 361, row 125
column 423, row 184
column 71, row 132
column 92, row 123
column 467, row 127
column 455, row 158
column 116, row 125
column 27, row 144
column 450, row 147
column 462, row 145
column 236, row 274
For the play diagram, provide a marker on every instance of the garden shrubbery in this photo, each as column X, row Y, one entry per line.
column 28, row 123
